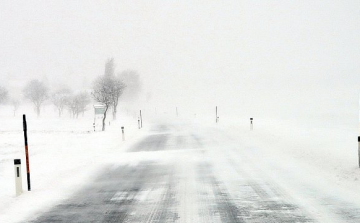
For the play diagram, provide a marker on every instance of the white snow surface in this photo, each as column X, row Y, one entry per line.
column 65, row 154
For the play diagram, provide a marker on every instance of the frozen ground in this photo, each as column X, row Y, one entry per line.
column 181, row 170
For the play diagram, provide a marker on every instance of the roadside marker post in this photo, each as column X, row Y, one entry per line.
column 217, row 118
column 359, row 133
column 216, row 114
column 141, row 119
column 359, row 149
column 251, row 124
column 123, row 134
column 26, row 152
column 18, row 181
column 139, row 123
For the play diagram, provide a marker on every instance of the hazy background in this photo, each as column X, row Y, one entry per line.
column 289, row 59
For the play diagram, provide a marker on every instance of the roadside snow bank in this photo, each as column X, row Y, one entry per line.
column 64, row 154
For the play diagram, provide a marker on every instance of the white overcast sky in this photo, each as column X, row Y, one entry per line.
column 247, row 56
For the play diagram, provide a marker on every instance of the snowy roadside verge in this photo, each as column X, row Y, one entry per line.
column 330, row 150
column 65, row 154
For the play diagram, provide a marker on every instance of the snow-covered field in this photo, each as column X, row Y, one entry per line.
column 65, row 154
column 331, row 149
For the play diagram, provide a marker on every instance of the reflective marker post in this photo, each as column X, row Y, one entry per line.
column 251, row 124
column 26, row 153
column 123, row 134
column 140, row 119
column 18, row 181
column 216, row 116
column 139, row 123
column 359, row 149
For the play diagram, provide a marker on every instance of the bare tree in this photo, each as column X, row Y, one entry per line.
column 107, row 89
column 119, row 87
column 3, row 94
column 15, row 105
column 78, row 104
column 82, row 101
column 60, row 99
column 71, row 105
column 103, row 91
column 37, row 93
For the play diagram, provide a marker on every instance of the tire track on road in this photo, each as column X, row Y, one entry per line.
column 163, row 210
column 272, row 203
column 225, row 207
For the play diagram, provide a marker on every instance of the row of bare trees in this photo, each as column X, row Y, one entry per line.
column 106, row 90
column 75, row 103
column 38, row 93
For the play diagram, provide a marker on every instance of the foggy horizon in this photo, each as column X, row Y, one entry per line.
column 281, row 59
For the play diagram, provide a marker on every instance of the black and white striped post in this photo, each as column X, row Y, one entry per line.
column 26, row 153
column 123, row 134
column 251, row 124
column 18, row 181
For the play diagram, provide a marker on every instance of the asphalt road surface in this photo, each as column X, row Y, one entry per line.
column 195, row 178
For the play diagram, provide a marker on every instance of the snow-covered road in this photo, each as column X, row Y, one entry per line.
column 186, row 175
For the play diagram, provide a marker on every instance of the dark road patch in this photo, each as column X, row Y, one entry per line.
column 155, row 142
column 118, row 193
column 160, row 128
